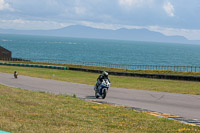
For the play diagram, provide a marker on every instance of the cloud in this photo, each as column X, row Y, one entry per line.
column 191, row 34
column 109, row 14
column 169, row 9
column 80, row 10
column 31, row 24
column 130, row 2
column 134, row 3
column 108, row 26
column 5, row 6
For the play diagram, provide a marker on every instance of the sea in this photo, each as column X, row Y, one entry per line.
column 100, row 50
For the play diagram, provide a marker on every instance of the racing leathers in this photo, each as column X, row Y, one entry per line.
column 100, row 80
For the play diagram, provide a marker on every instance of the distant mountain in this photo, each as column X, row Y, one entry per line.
column 80, row 31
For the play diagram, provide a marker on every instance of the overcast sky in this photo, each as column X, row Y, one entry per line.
column 170, row 17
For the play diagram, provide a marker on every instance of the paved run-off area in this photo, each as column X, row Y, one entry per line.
column 183, row 105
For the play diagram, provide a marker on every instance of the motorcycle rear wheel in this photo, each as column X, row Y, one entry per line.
column 96, row 95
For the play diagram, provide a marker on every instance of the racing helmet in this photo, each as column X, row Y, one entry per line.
column 105, row 74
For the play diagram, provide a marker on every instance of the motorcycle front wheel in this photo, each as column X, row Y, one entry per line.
column 104, row 93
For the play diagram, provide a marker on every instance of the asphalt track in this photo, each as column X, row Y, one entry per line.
column 183, row 105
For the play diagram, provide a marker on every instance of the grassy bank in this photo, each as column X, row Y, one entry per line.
column 184, row 87
column 27, row 111
column 114, row 69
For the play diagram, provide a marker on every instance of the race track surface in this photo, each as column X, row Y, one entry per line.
column 187, row 106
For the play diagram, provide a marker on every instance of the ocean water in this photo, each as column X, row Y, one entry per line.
column 104, row 51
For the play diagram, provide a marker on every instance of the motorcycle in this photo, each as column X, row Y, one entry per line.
column 102, row 89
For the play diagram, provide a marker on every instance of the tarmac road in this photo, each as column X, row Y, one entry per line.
column 187, row 106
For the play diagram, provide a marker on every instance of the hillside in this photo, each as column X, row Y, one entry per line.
column 79, row 31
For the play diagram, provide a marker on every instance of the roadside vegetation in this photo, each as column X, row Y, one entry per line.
column 172, row 86
column 113, row 69
column 23, row 111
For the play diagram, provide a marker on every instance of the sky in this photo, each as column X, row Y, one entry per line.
column 170, row 17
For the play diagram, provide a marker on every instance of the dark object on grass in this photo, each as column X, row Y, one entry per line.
column 15, row 74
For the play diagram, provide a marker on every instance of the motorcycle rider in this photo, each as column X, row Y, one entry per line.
column 104, row 75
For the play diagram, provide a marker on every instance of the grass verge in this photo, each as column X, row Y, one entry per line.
column 172, row 86
column 27, row 111
column 114, row 69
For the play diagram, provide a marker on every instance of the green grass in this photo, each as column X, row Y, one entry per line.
column 23, row 111
column 172, row 86
column 114, row 69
